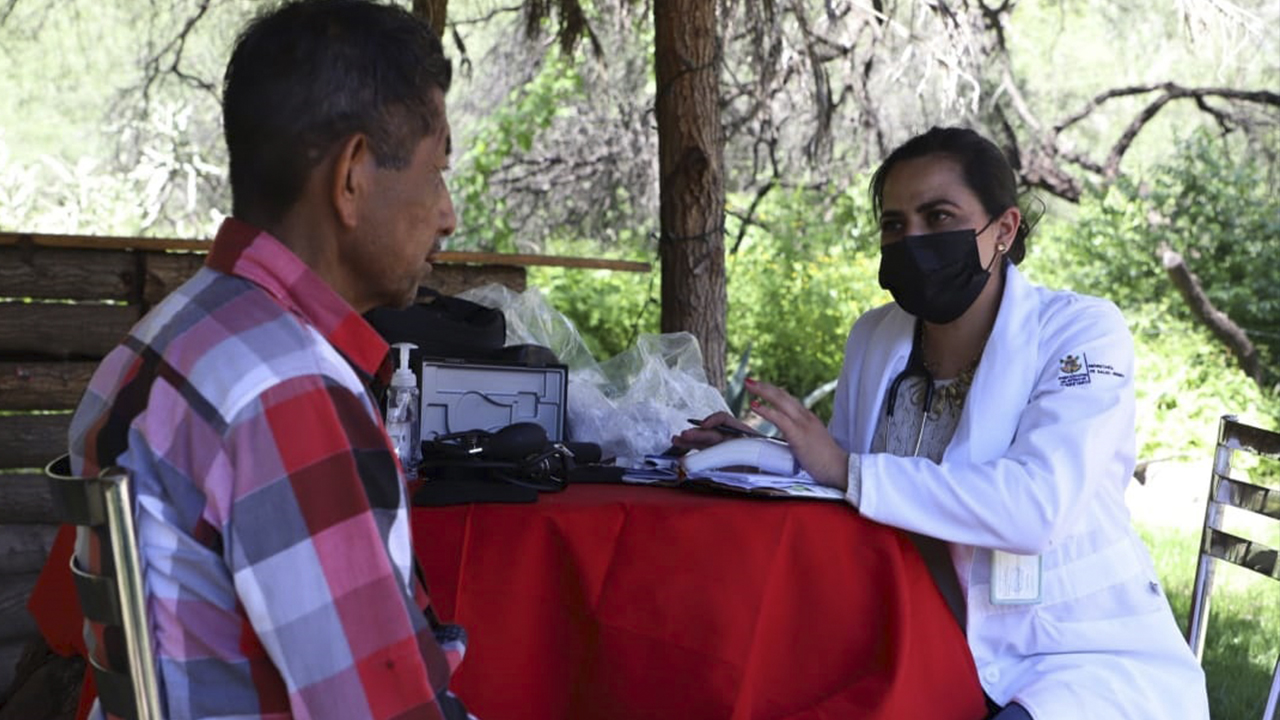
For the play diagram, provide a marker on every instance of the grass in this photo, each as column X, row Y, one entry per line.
column 1244, row 622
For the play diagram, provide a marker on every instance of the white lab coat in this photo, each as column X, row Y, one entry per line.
column 1038, row 465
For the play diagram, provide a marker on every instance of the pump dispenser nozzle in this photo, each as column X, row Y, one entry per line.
column 402, row 411
column 403, row 376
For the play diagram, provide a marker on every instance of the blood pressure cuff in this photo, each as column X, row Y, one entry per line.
column 514, row 464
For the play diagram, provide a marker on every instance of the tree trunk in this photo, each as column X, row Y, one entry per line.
column 434, row 12
column 691, row 176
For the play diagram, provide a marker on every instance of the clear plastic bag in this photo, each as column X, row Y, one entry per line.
column 631, row 404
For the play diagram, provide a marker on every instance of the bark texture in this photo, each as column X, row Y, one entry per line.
column 691, row 176
column 1217, row 321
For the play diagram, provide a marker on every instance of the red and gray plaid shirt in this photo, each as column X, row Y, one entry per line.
column 271, row 511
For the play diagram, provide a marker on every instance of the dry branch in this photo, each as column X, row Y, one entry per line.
column 1217, row 321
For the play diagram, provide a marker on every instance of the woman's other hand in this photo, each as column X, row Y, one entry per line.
column 805, row 432
column 705, row 434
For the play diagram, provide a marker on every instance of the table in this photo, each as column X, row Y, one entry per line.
column 620, row 602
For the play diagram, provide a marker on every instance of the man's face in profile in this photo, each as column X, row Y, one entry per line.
column 403, row 220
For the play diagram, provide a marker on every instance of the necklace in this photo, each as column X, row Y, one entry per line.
column 949, row 394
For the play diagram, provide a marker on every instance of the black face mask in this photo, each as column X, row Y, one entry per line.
column 935, row 277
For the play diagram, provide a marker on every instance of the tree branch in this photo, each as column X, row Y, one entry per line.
column 1261, row 97
column 176, row 45
column 1098, row 100
column 1217, row 321
column 7, row 10
column 487, row 16
column 748, row 218
column 1111, row 167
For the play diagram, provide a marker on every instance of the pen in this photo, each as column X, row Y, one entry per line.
column 729, row 429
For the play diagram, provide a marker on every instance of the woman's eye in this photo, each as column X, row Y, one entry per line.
column 939, row 216
column 888, row 227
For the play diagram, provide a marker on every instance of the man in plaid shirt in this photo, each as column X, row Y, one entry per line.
column 271, row 508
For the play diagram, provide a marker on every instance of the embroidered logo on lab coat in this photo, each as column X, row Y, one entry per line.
column 1076, row 370
column 1073, row 370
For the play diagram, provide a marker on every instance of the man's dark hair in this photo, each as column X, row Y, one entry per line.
column 986, row 171
column 307, row 75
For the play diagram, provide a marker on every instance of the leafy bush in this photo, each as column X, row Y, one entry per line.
column 1186, row 380
column 609, row 308
column 1215, row 205
column 486, row 220
column 806, row 268
column 798, row 281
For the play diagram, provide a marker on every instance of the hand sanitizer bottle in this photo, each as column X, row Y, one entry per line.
column 402, row 413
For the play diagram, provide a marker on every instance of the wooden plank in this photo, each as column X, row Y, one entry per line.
column 482, row 258
column 31, row 441
column 453, row 279
column 48, row 385
column 24, row 548
column 162, row 244
column 15, row 621
column 101, row 242
column 47, row 273
column 62, row 330
column 166, row 271
column 25, row 499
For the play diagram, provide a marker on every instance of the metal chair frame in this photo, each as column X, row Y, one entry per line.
column 118, row 599
column 1216, row 544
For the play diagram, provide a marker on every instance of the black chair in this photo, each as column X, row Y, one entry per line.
column 107, row 569
column 1229, row 488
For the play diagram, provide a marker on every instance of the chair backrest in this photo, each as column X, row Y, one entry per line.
column 107, row 569
column 1229, row 489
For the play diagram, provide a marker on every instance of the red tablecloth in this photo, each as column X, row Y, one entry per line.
column 619, row 602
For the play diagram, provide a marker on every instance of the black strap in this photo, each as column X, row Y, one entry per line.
column 937, row 559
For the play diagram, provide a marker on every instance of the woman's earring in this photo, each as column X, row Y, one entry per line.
column 1000, row 248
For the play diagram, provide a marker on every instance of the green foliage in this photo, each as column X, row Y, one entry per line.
column 798, row 281
column 735, row 389
column 1186, row 380
column 609, row 308
column 55, row 195
column 511, row 129
column 1213, row 204
column 805, row 270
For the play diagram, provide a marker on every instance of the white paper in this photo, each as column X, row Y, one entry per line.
column 799, row 485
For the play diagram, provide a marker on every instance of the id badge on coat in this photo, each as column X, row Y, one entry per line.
column 1015, row 579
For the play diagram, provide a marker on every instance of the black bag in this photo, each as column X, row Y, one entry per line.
column 450, row 328
column 444, row 327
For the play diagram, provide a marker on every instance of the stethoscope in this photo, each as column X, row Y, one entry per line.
column 915, row 366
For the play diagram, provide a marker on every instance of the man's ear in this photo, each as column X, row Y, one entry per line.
column 351, row 177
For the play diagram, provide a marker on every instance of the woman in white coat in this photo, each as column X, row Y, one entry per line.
column 994, row 420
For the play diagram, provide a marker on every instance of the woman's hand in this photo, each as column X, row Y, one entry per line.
column 805, row 432
column 705, row 434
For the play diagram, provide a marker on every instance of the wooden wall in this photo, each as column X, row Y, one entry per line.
column 64, row 303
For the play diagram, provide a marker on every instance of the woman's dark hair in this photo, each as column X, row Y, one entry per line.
column 986, row 170
column 307, row 75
